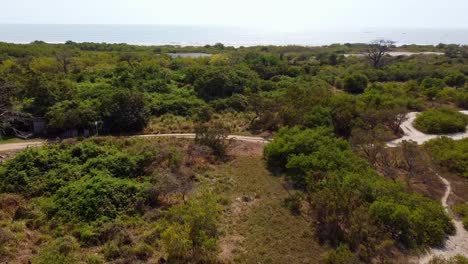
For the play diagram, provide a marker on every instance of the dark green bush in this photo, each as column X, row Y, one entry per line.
column 299, row 151
column 121, row 165
column 42, row 171
column 441, row 121
column 318, row 117
column 125, row 111
column 348, row 196
column 96, row 196
column 30, row 171
column 450, row 154
column 455, row 79
column 355, row 83
column 222, row 82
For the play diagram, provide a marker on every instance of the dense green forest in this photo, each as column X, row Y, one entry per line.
column 328, row 113
column 129, row 88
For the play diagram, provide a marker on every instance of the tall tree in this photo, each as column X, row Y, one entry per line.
column 377, row 49
column 64, row 57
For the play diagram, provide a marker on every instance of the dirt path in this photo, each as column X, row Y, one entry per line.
column 411, row 133
column 191, row 135
column 19, row 146
column 23, row 145
column 455, row 245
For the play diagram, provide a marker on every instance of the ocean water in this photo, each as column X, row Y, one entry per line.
column 199, row 35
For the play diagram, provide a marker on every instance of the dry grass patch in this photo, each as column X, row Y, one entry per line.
column 257, row 227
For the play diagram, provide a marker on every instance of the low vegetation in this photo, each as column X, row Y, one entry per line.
column 450, row 154
column 122, row 199
column 115, row 200
column 441, row 121
column 352, row 204
column 462, row 211
column 454, row 260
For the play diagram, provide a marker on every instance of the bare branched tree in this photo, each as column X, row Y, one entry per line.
column 64, row 57
column 377, row 50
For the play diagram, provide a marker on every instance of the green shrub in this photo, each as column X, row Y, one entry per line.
column 88, row 236
column 462, row 211
column 191, row 230
column 348, row 196
column 134, row 107
column 457, row 79
column 213, row 135
column 432, row 86
column 96, row 196
column 342, row 255
column 441, row 121
column 355, row 83
column 121, row 165
column 415, row 220
column 181, row 103
column 42, row 171
column 62, row 250
column 72, row 114
column 450, row 153
column 31, row 171
column 318, row 117
column 299, row 151
column 235, row 103
column 222, row 82
column 94, row 259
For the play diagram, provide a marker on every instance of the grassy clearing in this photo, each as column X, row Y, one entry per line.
column 257, row 227
column 238, row 123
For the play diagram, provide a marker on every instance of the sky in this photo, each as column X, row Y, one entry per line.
column 285, row 15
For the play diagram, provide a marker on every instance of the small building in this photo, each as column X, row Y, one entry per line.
column 39, row 126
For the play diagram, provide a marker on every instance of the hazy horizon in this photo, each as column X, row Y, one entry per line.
column 290, row 16
column 202, row 35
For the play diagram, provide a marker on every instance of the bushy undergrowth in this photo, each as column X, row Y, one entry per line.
column 462, row 211
column 122, row 195
column 352, row 203
column 450, row 154
column 441, row 121
column 98, row 195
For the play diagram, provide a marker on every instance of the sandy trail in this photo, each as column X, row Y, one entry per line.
column 191, row 136
column 411, row 133
column 23, row 145
column 454, row 245
column 19, row 146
